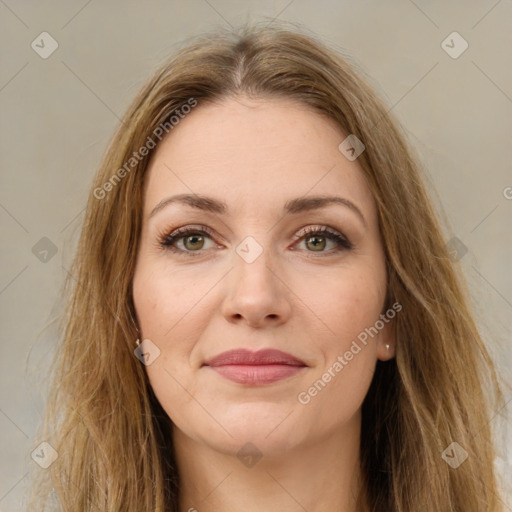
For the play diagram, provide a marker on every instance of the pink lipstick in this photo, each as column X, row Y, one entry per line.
column 255, row 368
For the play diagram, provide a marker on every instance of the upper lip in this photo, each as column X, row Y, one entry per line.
column 247, row 357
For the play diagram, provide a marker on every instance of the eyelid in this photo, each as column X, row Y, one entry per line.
column 192, row 227
column 316, row 228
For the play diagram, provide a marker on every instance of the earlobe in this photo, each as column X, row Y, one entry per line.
column 386, row 344
column 386, row 351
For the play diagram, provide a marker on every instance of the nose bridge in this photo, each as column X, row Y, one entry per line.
column 255, row 291
column 253, row 261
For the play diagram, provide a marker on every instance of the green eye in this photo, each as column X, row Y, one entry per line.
column 194, row 240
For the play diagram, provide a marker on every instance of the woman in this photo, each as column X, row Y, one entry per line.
column 265, row 314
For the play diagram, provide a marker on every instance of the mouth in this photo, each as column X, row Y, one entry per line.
column 255, row 368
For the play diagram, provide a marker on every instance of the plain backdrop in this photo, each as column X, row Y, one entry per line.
column 58, row 114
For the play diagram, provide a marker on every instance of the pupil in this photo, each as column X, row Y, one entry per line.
column 194, row 237
column 316, row 244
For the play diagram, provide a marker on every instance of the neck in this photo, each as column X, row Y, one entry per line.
column 325, row 475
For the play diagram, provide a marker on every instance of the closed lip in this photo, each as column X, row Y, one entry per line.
column 250, row 358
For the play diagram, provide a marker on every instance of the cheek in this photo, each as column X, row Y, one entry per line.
column 164, row 299
column 171, row 314
column 348, row 303
column 339, row 384
column 162, row 316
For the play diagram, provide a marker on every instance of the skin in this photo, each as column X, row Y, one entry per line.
column 255, row 154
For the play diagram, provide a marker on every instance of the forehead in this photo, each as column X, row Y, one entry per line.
column 256, row 152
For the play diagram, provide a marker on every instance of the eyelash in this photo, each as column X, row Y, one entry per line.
column 166, row 240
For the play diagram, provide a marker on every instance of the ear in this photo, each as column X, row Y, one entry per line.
column 386, row 342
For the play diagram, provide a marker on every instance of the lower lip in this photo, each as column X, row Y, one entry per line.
column 256, row 374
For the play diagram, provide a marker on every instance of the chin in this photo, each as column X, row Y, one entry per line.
column 269, row 426
column 253, row 442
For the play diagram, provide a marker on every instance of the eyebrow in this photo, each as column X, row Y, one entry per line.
column 292, row 206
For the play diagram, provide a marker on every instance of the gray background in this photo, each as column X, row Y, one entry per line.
column 59, row 113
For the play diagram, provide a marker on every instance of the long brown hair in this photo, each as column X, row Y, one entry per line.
column 113, row 438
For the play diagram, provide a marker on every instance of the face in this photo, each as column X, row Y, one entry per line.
column 260, row 272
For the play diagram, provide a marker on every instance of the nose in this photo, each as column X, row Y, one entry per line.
column 257, row 293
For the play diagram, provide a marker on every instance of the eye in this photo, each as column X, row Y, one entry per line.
column 315, row 238
column 193, row 240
